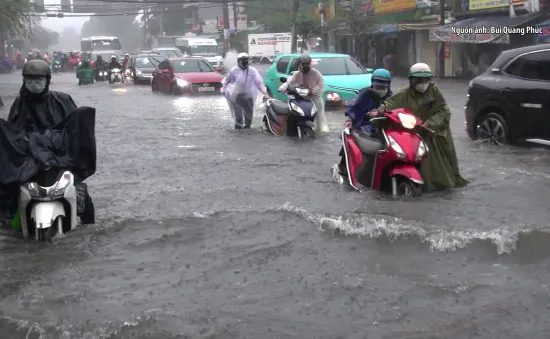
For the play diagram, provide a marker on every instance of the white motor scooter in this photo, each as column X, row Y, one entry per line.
column 50, row 209
column 116, row 76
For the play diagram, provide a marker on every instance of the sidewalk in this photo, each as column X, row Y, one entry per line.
column 10, row 84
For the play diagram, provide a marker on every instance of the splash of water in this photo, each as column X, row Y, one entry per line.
column 230, row 60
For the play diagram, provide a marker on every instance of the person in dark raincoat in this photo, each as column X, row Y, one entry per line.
column 38, row 109
column 440, row 169
column 368, row 99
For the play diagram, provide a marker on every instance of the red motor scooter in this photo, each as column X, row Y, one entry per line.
column 388, row 162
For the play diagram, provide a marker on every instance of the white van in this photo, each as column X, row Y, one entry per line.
column 206, row 48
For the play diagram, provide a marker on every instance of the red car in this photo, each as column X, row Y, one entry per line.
column 186, row 75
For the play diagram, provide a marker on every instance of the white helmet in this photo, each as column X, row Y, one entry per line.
column 113, row 57
column 242, row 60
column 420, row 70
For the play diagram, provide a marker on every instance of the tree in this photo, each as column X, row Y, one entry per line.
column 43, row 38
column 16, row 20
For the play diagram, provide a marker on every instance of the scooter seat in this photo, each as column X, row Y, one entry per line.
column 368, row 145
column 279, row 107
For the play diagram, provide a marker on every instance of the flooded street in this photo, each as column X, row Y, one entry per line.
column 208, row 232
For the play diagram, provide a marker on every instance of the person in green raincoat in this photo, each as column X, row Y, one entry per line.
column 440, row 169
column 85, row 73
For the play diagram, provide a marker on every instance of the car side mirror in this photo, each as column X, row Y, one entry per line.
column 166, row 71
column 219, row 69
column 369, row 70
column 282, row 79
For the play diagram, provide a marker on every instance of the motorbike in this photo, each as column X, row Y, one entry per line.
column 116, row 76
column 294, row 118
column 388, row 162
column 48, row 205
column 101, row 74
column 56, row 67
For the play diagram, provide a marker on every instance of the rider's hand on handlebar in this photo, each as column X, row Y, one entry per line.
column 426, row 124
column 347, row 123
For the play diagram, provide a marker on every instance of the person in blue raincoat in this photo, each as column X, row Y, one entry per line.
column 370, row 98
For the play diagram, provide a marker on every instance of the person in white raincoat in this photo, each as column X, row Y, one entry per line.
column 241, row 86
column 311, row 79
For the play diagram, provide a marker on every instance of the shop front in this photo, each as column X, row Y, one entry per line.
column 544, row 36
column 478, row 42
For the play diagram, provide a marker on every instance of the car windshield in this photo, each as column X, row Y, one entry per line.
column 145, row 62
column 204, row 50
column 192, row 66
column 106, row 45
column 169, row 53
column 338, row 66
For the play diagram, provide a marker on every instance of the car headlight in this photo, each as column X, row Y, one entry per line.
column 422, row 150
column 138, row 72
column 333, row 97
column 396, row 148
column 297, row 109
column 182, row 83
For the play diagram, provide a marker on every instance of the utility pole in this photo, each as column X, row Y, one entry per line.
column 235, row 22
column 145, row 25
column 441, row 48
column 161, row 18
column 294, row 38
column 226, row 26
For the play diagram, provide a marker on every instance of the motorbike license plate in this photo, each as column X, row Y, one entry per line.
column 206, row 89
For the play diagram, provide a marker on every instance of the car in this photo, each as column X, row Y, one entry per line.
column 344, row 76
column 510, row 101
column 186, row 75
column 168, row 52
column 141, row 67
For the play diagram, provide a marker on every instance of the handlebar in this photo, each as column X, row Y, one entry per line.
column 382, row 110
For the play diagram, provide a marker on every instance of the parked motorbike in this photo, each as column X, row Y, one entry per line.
column 388, row 162
column 116, row 76
column 292, row 118
column 48, row 205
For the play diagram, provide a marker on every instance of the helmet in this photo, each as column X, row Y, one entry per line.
column 304, row 59
column 381, row 76
column 37, row 67
column 420, row 70
column 242, row 60
column 113, row 57
column 126, row 55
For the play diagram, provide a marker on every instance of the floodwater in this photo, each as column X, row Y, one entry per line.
column 207, row 232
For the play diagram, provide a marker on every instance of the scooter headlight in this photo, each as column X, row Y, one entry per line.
column 396, row 148
column 422, row 151
column 62, row 184
column 302, row 92
column 182, row 83
column 297, row 109
column 32, row 187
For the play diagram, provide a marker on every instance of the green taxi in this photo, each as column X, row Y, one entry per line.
column 344, row 76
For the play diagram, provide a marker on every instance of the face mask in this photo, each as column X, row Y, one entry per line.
column 306, row 69
column 381, row 92
column 244, row 63
column 35, row 86
column 421, row 87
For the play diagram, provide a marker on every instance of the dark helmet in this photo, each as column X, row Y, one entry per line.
column 37, row 67
column 304, row 59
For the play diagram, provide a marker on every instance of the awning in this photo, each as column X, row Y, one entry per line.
column 545, row 29
column 482, row 29
column 419, row 26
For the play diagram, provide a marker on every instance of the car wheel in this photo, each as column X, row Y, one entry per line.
column 173, row 90
column 153, row 87
column 492, row 128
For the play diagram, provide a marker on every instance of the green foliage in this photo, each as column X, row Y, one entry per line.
column 16, row 18
column 276, row 16
column 356, row 21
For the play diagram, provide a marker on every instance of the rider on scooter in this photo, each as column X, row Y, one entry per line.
column 368, row 99
column 424, row 99
column 112, row 65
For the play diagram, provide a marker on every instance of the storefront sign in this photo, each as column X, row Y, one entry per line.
column 392, row 6
column 486, row 4
column 447, row 35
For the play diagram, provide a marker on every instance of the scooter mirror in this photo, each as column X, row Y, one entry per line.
column 282, row 79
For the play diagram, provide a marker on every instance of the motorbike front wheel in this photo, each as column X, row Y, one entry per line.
column 307, row 132
column 407, row 188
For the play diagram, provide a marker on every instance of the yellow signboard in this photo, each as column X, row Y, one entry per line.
column 392, row 6
column 486, row 4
